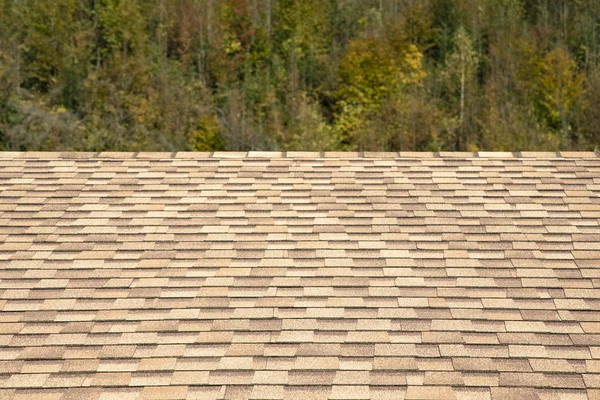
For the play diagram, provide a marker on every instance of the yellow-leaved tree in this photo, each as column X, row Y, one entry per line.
column 371, row 71
column 559, row 87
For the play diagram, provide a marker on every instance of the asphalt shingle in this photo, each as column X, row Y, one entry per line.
column 300, row 275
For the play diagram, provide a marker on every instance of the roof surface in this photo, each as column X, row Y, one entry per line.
column 300, row 275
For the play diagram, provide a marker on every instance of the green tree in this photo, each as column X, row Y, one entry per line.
column 460, row 74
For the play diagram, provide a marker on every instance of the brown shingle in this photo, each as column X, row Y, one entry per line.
column 430, row 392
column 111, row 379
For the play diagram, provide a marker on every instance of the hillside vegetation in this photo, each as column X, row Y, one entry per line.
column 351, row 75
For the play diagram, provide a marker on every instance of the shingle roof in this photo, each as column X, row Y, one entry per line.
column 300, row 275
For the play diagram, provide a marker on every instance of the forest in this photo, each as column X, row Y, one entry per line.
column 304, row 75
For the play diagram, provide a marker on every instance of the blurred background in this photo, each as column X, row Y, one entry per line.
column 350, row 75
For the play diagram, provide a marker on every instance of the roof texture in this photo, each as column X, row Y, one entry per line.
column 300, row 275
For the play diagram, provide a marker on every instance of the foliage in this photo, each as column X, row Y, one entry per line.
column 388, row 75
column 206, row 136
column 460, row 74
column 559, row 87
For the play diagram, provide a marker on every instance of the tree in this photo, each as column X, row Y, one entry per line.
column 461, row 70
column 292, row 74
column 559, row 87
column 591, row 110
column 370, row 71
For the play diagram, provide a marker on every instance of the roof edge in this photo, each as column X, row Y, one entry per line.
column 295, row 154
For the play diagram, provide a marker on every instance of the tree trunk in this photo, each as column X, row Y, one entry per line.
column 462, row 101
